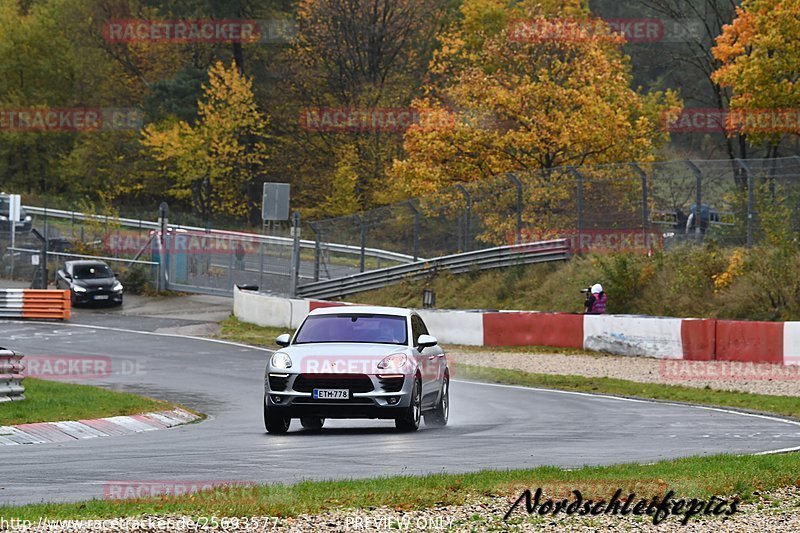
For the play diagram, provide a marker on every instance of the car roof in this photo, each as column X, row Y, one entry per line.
column 362, row 309
column 80, row 262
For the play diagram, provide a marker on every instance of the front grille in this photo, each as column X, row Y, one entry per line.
column 277, row 383
column 393, row 384
column 351, row 401
column 353, row 382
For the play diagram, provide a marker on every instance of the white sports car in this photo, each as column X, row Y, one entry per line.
column 357, row 362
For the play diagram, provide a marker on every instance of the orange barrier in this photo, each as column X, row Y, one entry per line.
column 35, row 303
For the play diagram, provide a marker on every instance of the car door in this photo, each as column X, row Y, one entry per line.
column 431, row 361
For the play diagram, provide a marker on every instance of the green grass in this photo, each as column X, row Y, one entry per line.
column 691, row 477
column 233, row 329
column 788, row 406
column 53, row 401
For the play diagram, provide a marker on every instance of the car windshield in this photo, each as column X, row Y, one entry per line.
column 348, row 327
column 91, row 272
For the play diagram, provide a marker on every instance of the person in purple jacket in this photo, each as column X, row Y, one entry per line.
column 596, row 302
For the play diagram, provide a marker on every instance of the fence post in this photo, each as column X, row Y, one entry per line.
column 295, row 271
column 415, row 243
column 698, row 201
column 518, row 185
column 363, row 236
column 750, row 199
column 317, row 248
column 579, row 177
column 467, row 214
column 645, row 202
column 163, row 221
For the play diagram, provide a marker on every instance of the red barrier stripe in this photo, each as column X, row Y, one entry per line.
column 317, row 304
column 698, row 338
column 757, row 342
column 533, row 329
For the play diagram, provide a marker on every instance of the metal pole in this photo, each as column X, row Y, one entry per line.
column 163, row 212
column 645, row 204
column 415, row 243
column 261, row 259
column 317, row 249
column 518, row 184
column 363, row 233
column 579, row 177
column 750, row 199
column 295, row 253
column 698, row 212
column 467, row 215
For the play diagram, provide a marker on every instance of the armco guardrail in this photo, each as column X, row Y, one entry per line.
column 501, row 256
column 266, row 239
column 34, row 303
column 11, row 387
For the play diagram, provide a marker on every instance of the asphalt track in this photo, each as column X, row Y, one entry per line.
column 494, row 427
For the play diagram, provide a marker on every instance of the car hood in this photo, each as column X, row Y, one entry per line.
column 100, row 283
column 350, row 358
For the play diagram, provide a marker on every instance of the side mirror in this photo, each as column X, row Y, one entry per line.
column 426, row 341
column 283, row 340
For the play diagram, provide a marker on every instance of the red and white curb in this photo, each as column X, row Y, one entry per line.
column 113, row 426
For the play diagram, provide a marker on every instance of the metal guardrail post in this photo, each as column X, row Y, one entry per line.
column 698, row 201
column 163, row 224
column 518, row 185
column 467, row 215
column 750, row 199
column 645, row 202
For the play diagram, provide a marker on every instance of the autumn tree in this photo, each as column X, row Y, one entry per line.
column 534, row 86
column 760, row 62
column 217, row 163
column 355, row 54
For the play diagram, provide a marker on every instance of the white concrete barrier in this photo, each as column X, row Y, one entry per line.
column 633, row 335
column 454, row 327
column 791, row 343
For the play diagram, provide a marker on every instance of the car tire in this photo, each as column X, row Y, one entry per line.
column 275, row 423
column 439, row 415
column 410, row 419
column 312, row 422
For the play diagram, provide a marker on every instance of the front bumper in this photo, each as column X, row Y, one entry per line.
column 387, row 399
column 91, row 297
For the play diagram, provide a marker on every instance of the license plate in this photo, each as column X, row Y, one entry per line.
column 331, row 394
column 101, row 297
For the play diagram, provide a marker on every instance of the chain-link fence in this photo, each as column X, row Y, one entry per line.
column 610, row 207
column 620, row 206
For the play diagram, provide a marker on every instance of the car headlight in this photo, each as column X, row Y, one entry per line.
column 393, row 362
column 117, row 287
column 3, row 217
column 28, row 218
column 280, row 360
column 78, row 288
